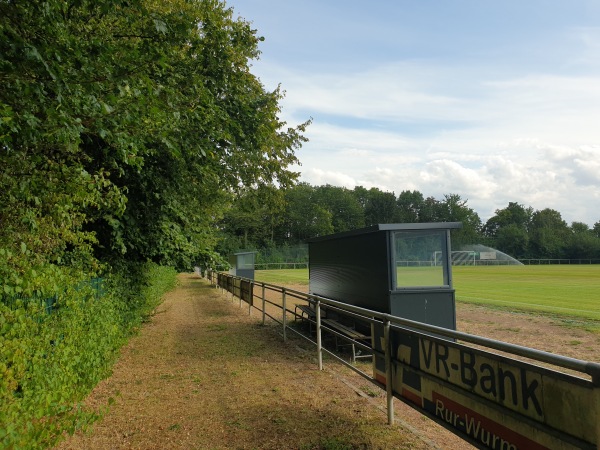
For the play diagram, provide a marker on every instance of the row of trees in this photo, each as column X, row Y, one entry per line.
column 271, row 217
column 126, row 127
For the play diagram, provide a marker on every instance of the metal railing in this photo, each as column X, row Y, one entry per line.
column 240, row 287
column 282, row 265
column 255, row 294
column 547, row 261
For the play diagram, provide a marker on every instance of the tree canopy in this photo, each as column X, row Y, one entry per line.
column 125, row 126
column 311, row 211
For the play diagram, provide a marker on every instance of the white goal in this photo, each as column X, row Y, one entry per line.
column 459, row 258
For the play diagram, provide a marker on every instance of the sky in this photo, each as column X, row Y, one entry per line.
column 496, row 101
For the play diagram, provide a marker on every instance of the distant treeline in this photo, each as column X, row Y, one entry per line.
column 269, row 218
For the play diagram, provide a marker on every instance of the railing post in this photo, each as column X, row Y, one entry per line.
column 284, row 314
column 388, row 371
column 251, row 299
column 596, row 393
column 263, row 304
column 319, row 347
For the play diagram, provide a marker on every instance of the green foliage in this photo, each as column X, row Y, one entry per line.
column 310, row 211
column 307, row 211
column 380, row 207
column 49, row 362
column 304, row 216
column 124, row 128
column 512, row 240
column 283, row 254
column 346, row 211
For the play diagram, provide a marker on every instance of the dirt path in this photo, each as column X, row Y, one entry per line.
column 204, row 375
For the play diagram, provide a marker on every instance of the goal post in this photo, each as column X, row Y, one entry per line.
column 458, row 258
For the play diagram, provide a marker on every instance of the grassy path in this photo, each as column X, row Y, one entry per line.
column 204, row 375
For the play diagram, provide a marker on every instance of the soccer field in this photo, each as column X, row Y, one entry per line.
column 569, row 290
column 565, row 290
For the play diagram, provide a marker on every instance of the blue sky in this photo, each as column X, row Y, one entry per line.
column 494, row 101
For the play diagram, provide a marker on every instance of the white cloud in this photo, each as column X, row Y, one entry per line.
column 490, row 133
column 446, row 176
column 581, row 164
column 318, row 177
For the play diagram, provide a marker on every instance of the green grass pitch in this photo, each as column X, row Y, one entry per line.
column 564, row 290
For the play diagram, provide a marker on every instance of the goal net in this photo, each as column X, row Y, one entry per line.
column 459, row 258
column 477, row 255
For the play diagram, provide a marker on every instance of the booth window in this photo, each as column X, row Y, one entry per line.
column 420, row 259
column 246, row 261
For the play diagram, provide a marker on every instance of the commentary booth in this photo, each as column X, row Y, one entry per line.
column 399, row 269
column 242, row 264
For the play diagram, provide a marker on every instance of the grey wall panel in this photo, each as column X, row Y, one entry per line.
column 435, row 308
column 246, row 273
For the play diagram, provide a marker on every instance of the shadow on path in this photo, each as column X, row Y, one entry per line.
column 203, row 374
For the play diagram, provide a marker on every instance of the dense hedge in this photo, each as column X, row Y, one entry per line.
column 49, row 362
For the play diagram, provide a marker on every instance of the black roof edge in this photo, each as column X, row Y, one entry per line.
column 390, row 227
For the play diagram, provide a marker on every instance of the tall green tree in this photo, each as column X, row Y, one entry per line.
column 582, row 243
column 549, row 234
column 254, row 216
column 596, row 229
column 345, row 209
column 508, row 229
column 455, row 209
column 304, row 216
column 512, row 240
column 380, row 207
column 410, row 207
column 123, row 127
column 514, row 214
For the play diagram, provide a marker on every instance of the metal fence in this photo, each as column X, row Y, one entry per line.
column 542, row 261
column 449, row 362
column 279, row 266
column 48, row 305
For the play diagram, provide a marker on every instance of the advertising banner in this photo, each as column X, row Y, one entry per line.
column 491, row 400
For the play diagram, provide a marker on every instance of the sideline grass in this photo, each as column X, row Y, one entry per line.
column 563, row 290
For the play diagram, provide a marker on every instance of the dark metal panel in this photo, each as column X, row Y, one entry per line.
column 433, row 307
column 354, row 270
column 245, row 273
